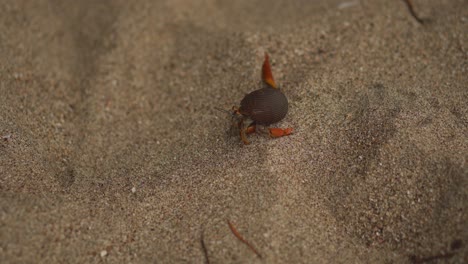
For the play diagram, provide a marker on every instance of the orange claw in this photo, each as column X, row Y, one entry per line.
column 279, row 132
column 250, row 129
column 267, row 76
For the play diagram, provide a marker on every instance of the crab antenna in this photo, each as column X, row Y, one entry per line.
column 267, row 76
column 223, row 110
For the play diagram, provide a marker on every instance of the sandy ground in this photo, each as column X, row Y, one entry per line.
column 111, row 151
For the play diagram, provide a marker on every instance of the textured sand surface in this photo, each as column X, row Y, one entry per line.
column 111, row 150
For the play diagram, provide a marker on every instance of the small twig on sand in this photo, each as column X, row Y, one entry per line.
column 456, row 245
column 411, row 9
column 205, row 250
column 234, row 231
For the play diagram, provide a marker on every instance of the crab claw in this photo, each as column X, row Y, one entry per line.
column 280, row 132
column 267, row 76
column 250, row 130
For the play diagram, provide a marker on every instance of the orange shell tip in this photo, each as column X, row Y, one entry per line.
column 267, row 76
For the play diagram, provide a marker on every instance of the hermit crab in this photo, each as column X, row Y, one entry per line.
column 262, row 107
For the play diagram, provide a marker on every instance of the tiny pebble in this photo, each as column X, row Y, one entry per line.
column 17, row 75
column 344, row 5
column 133, row 190
column 103, row 253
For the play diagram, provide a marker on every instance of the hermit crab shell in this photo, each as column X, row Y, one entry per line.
column 265, row 106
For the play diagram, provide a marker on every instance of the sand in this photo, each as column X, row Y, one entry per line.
column 112, row 151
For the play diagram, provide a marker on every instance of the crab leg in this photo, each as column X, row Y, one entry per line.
column 280, row 132
column 243, row 131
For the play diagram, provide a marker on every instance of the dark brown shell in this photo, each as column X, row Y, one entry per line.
column 265, row 106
